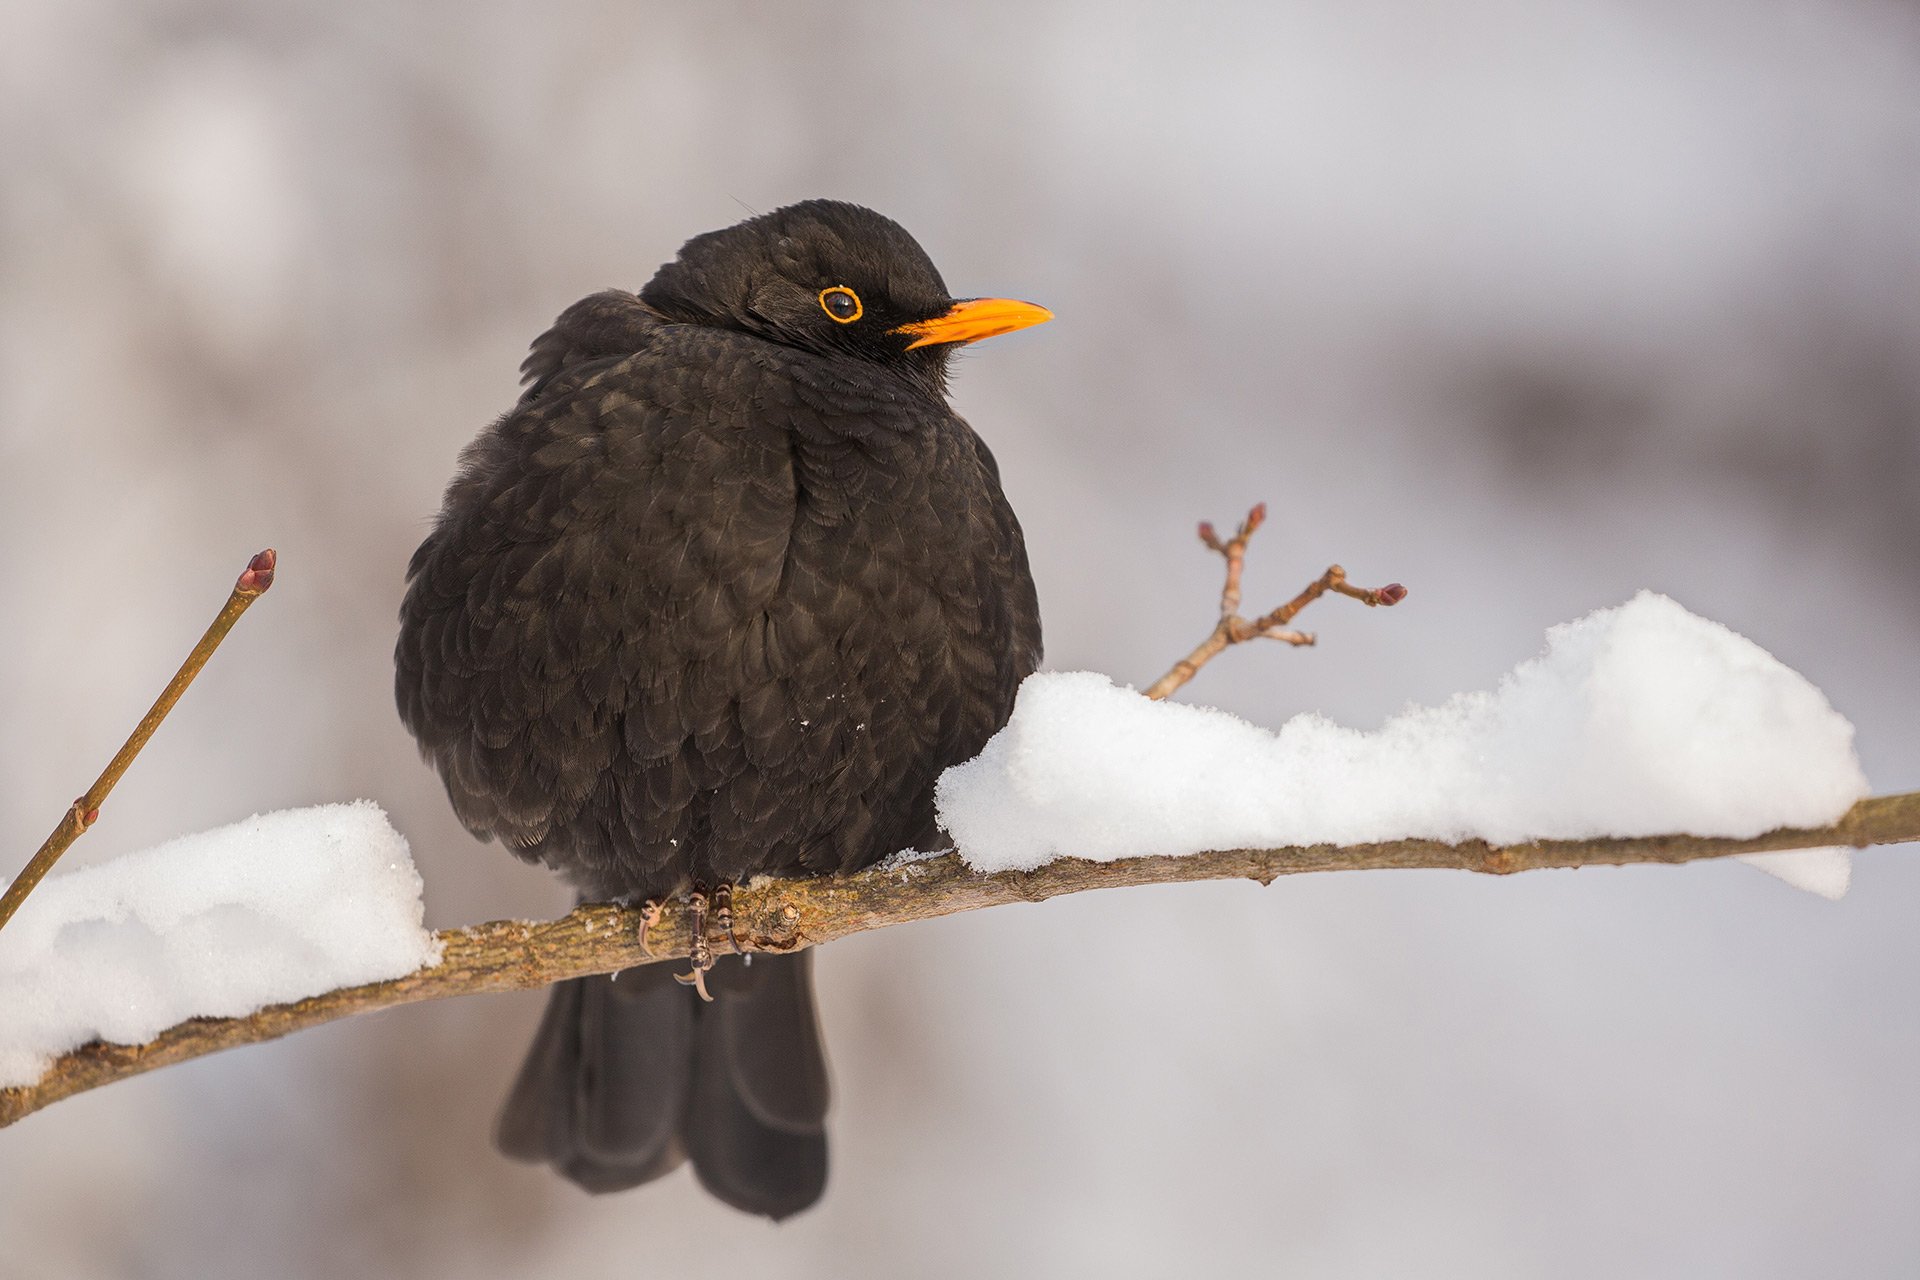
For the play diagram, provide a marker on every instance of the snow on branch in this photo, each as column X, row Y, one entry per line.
column 782, row 915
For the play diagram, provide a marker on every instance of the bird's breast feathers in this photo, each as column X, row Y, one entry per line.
column 685, row 585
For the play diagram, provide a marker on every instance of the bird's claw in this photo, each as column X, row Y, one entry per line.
column 723, row 914
column 700, row 955
column 649, row 917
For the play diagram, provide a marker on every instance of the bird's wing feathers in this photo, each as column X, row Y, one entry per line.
column 610, row 323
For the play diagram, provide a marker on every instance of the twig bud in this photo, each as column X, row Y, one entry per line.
column 259, row 573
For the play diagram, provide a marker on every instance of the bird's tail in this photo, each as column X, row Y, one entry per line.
column 631, row 1074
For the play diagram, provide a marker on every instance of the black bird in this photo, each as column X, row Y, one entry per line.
column 720, row 596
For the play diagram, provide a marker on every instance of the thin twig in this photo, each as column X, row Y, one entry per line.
column 783, row 915
column 1234, row 629
column 252, row 584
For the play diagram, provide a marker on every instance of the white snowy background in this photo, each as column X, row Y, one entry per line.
column 1527, row 306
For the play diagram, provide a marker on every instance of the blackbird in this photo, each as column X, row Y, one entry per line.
column 719, row 597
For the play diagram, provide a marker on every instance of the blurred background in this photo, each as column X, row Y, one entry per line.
column 1525, row 305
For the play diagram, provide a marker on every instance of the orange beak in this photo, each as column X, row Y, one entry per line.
column 974, row 319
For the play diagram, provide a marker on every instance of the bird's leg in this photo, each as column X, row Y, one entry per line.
column 649, row 917
column 699, row 953
column 723, row 913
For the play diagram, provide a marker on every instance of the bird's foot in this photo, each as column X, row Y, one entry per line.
column 723, row 914
column 649, row 917
column 699, row 954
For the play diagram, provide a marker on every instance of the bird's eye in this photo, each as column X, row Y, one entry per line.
column 842, row 303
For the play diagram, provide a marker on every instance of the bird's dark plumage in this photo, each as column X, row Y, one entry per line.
column 720, row 597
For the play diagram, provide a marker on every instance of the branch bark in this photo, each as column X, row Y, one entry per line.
column 782, row 915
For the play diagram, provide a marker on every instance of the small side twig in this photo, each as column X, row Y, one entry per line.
column 1234, row 629
column 252, row 584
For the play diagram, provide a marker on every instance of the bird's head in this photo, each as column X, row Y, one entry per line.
column 831, row 278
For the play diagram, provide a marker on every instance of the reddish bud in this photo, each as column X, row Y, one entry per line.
column 90, row 817
column 1207, row 534
column 1392, row 593
column 259, row 574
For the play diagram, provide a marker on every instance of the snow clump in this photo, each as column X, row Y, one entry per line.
column 276, row 908
column 1638, row 720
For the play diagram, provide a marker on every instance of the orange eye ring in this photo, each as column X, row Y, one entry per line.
column 839, row 293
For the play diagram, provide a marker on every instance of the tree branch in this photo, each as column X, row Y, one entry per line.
column 1234, row 629
column 82, row 813
column 782, row 915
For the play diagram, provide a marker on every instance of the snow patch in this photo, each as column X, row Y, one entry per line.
column 277, row 908
column 1635, row 721
column 1826, row 872
column 904, row 858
